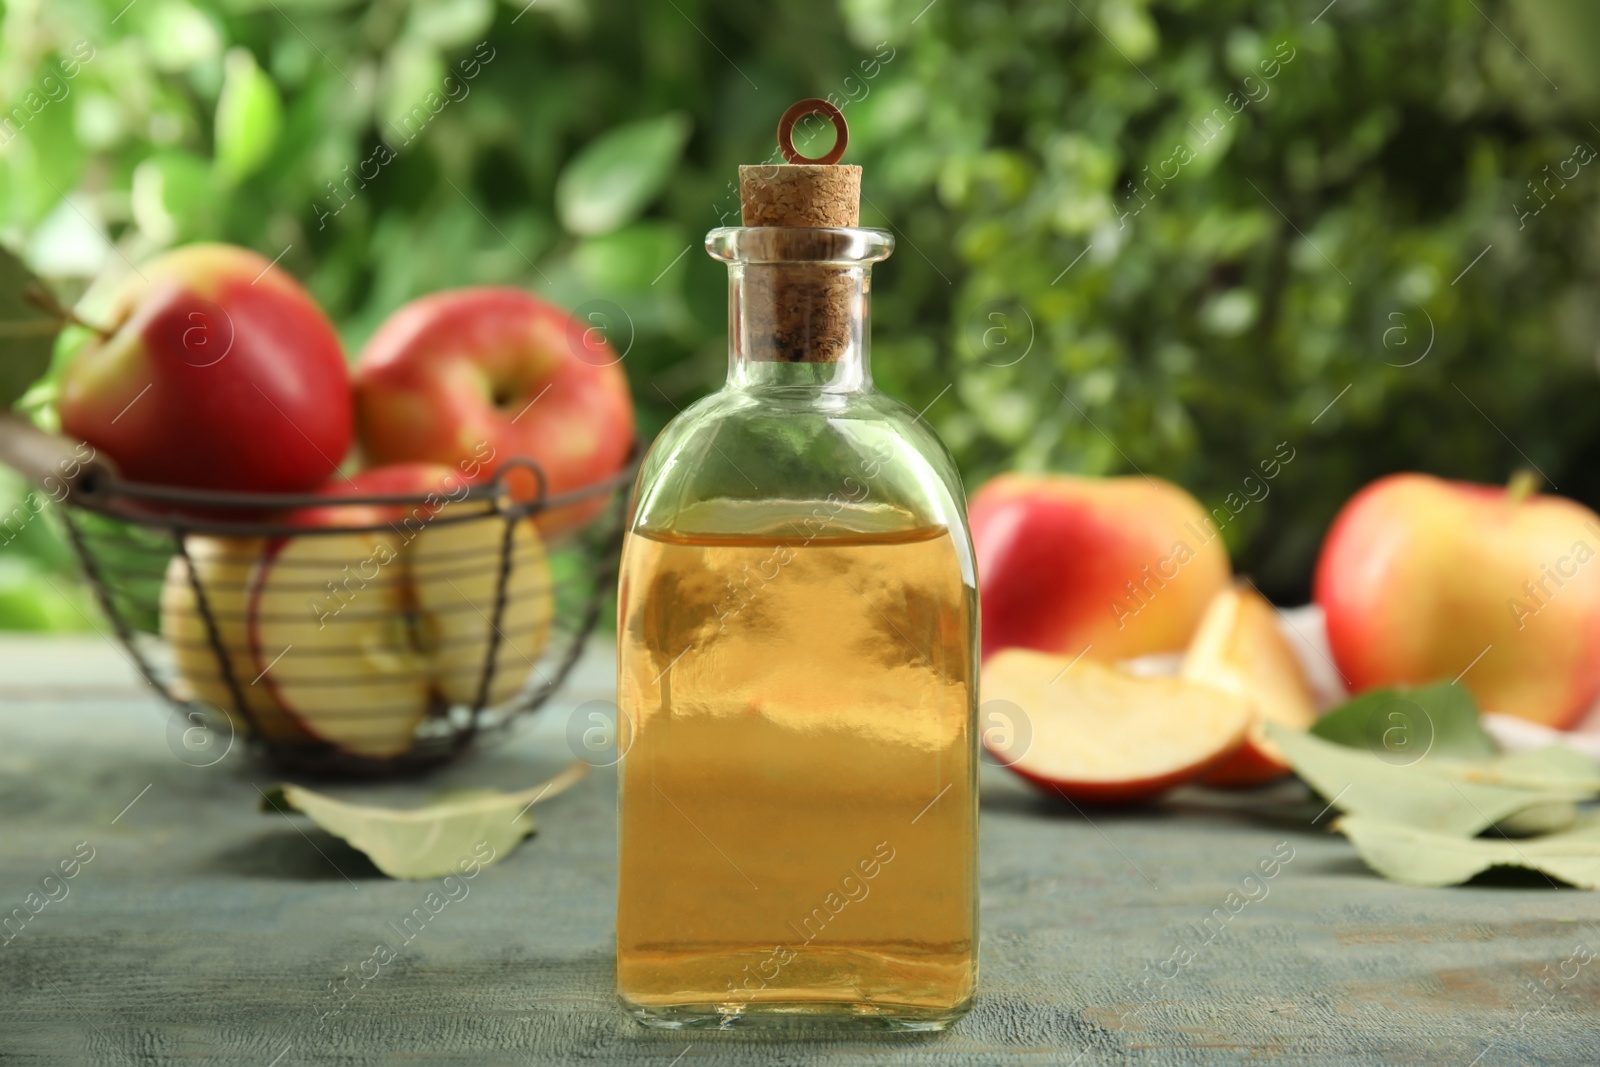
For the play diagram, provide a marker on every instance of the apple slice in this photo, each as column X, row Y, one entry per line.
column 455, row 573
column 1239, row 649
column 360, row 635
column 1111, row 738
column 224, row 566
column 330, row 633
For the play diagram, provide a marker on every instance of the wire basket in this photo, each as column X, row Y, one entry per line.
column 371, row 643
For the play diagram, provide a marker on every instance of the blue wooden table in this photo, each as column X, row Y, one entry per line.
column 197, row 930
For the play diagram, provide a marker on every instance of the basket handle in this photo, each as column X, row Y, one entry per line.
column 59, row 465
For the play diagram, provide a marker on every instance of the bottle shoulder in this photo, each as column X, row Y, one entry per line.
column 789, row 451
column 771, row 420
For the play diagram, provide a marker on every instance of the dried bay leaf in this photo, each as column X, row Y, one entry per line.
column 1448, row 796
column 1553, row 766
column 1418, row 857
column 433, row 840
column 1548, row 818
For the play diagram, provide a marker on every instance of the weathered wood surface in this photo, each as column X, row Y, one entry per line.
column 204, row 932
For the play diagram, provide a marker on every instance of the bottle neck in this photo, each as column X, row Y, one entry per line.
column 850, row 375
column 799, row 326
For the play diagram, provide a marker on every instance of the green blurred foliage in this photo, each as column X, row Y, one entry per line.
column 1093, row 297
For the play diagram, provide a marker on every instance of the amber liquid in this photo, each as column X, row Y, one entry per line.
column 798, row 812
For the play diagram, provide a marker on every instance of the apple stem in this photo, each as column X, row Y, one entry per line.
column 43, row 299
column 1522, row 485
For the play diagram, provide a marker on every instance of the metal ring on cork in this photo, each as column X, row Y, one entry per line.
column 803, row 109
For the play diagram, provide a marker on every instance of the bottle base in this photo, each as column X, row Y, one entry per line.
column 797, row 1015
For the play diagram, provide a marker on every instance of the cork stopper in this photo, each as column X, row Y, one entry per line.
column 804, row 194
column 798, row 312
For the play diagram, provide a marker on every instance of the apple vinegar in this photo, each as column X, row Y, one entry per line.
column 797, row 649
column 799, row 785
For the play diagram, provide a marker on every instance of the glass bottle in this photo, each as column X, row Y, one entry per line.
column 797, row 683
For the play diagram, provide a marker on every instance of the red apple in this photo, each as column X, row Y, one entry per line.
column 1111, row 567
column 360, row 635
column 220, row 372
column 1423, row 579
column 475, row 377
column 1107, row 737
